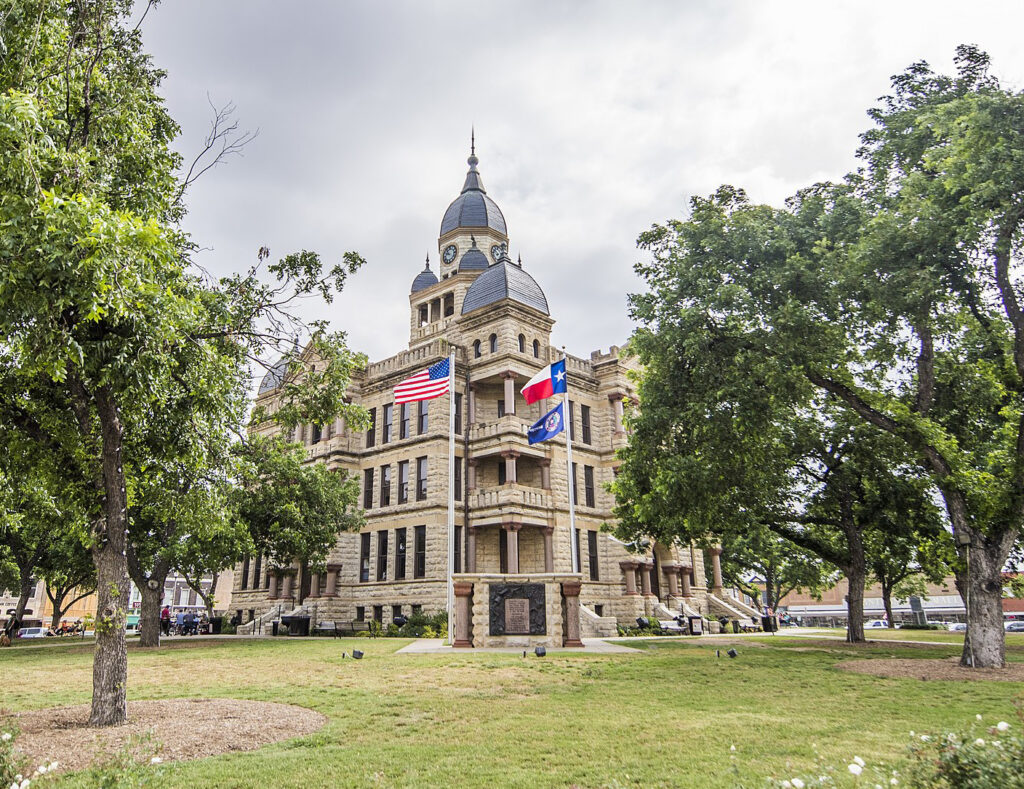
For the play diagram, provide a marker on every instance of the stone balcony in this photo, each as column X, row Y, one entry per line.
column 492, row 501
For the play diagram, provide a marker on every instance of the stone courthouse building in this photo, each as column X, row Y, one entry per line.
column 512, row 525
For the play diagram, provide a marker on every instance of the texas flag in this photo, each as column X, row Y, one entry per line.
column 549, row 381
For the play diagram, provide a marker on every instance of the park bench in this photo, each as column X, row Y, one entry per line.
column 354, row 627
column 326, row 629
column 672, row 626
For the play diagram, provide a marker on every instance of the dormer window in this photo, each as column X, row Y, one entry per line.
column 536, row 349
column 494, row 343
column 522, row 343
column 476, row 349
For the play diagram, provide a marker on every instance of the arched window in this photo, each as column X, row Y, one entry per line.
column 536, row 349
column 476, row 349
column 522, row 343
column 494, row 343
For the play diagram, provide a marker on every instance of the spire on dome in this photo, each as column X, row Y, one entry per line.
column 473, row 182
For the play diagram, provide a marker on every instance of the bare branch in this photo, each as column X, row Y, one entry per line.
column 223, row 140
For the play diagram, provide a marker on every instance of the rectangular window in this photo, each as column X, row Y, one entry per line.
column 378, row 613
column 371, row 431
column 502, row 551
column 572, row 422
column 458, row 479
column 385, row 486
column 419, row 568
column 421, row 479
column 501, row 471
column 417, row 609
column 501, row 408
column 364, row 557
column 599, row 609
column 368, row 489
column 399, row 554
column 585, row 423
column 396, row 611
column 422, row 416
column 245, row 573
column 458, row 549
column 458, row 414
column 382, row 555
column 575, row 486
column 360, row 613
column 592, row 554
column 256, row 572
column 579, row 549
column 318, row 433
column 588, row 485
column 403, row 424
column 385, row 431
column 403, row 481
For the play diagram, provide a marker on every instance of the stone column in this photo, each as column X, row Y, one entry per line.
column 463, row 607
column 672, row 573
column 629, row 569
column 684, row 576
column 716, row 570
column 273, row 584
column 549, row 550
column 512, row 559
column 616, row 400
column 510, row 391
column 471, row 406
column 471, row 474
column 645, row 577
column 545, row 473
column 314, row 585
column 571, row 626
column 286, row 592
column 510, row 465
column 332, row 580
column 471, row 549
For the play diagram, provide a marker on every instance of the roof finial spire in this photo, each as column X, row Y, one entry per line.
column 428, row 260
column 472, row 140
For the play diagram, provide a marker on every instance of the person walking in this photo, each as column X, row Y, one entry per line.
column 165, row 620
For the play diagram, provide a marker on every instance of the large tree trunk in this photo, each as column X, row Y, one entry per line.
column 24, row 594
column 110, row 658
column 984, row 644
column 887, row 602
column 855, row 575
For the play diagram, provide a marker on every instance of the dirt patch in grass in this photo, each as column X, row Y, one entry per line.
column 181, row 729
column 948, row 670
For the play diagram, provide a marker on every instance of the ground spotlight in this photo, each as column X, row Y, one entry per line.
column 732, row 653
column 357, row 654
column 540, row 651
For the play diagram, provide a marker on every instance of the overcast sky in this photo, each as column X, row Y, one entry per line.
column 593, row 121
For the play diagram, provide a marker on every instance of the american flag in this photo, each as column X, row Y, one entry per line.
column 426, row 385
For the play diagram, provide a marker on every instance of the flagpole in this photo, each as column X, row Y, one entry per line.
column 574, row 541
column 451, row 496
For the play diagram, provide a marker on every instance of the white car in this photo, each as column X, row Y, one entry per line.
column 957, row 627
column 32, row 632
column 876, row 623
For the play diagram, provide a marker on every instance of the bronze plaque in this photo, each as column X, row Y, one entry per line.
column 517, row 616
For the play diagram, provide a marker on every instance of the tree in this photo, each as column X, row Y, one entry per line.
column 895, row 294
column 100, row 313
column 68, row 572
column 903, row 563
column 761, row 556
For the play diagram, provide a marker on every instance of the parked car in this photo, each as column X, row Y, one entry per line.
column 876, row 623
column 957, row 627
column 32, row 632
column 1015, row 627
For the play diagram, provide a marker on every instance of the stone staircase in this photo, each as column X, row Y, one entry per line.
column 594, row 626
column 732, row 608
column 261, row 624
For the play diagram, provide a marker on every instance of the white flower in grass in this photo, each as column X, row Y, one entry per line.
column 732, row 747
column 5, row 736
column 911, row 732
column 787, row 785
column 979, row 741
column 854, row 768
column 894, row 782
column 41, row 769
column 925, row 738
column 858, row 760
column 977, row 717
column 1003, row 726
column 797, row 783
column 24, row 784
column 14, row 785
column 155, row 760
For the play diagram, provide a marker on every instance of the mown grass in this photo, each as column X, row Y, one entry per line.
column 665, row 716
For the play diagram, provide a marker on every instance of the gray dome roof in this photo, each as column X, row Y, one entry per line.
column 274, row 376
column 474, row 260
column 424, row 279
column 504, row 280
column 473, row 208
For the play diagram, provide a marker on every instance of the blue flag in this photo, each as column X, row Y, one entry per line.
column 549, row 425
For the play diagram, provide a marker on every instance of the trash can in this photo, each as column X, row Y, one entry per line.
column 273, row 628
column 735, row 625
column 696, row 625
column 215, row 625
column 297, row 625
column 769, row 624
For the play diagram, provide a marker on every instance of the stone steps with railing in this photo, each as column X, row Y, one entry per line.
column 594, row 626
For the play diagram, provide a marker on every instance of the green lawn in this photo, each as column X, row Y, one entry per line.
column 664, row 717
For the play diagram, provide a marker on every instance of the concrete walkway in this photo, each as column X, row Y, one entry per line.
column 592, row 646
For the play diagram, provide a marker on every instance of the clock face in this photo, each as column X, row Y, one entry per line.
column 450, row 252
column 496, row 252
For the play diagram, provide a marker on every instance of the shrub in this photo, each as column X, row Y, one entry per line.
column 982, row 757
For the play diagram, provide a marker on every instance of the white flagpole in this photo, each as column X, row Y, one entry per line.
column 451, row 496
column 567, row 415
